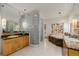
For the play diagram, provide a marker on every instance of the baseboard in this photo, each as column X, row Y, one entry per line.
column 34, row 45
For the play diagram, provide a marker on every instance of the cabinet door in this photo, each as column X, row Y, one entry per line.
column 7, row 47
column 77, row 24
column 25, row 41
column 28, row 39
column 15, row 44
column 59, row 42
column 73, row 52
column 21, row 42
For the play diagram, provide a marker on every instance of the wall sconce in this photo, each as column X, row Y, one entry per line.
column 74, row 23
column 24, row 24
column 4, row 23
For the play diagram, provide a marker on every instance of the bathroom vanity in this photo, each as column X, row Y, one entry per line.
column 13, row 43
column 71, row 46
column 56, row 39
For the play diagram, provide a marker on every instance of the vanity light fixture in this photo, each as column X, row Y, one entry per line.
column 35, row 15
column 24, row 24
column 74, row 23
column 4, row 23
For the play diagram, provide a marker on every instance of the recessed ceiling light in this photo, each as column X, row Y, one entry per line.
column 2, row 5
column 25, row 9
column 59, row 12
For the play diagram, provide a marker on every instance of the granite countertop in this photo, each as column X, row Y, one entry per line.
column 57, row 36
column 71, row 42
column 13, row 36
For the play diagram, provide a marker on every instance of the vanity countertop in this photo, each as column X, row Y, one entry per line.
column 5, row 37
column 71, row 42
column 57, row 36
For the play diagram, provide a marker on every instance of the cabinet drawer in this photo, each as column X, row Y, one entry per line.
column 73, row 52
column 12, row 45
column 7, row 48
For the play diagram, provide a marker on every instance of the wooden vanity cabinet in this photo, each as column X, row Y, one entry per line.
column 56, row 41
column 21, row 42
column 7, row 47
column 65, row 50
column 25, row 42
column 14, row 44
column 73, row 52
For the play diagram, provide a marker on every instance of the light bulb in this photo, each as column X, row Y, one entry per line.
column 24, row 25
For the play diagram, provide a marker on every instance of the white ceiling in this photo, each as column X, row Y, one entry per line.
column 47, row 10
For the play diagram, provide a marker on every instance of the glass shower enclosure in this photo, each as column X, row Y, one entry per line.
column 32, row 24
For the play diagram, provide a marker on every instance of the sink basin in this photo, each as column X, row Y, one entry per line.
column 13, row 36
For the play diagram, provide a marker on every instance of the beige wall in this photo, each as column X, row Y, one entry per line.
column 48, row 22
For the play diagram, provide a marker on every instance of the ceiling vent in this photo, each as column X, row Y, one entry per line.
column 24, row 9
column 2, row 5
column 59, row 12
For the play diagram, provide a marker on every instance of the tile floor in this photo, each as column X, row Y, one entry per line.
column 46, row 48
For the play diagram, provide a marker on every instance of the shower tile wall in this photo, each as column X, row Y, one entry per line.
column 34, row 28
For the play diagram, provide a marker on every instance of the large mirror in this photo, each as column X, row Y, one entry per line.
column 10, row 26
column 10, row 18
